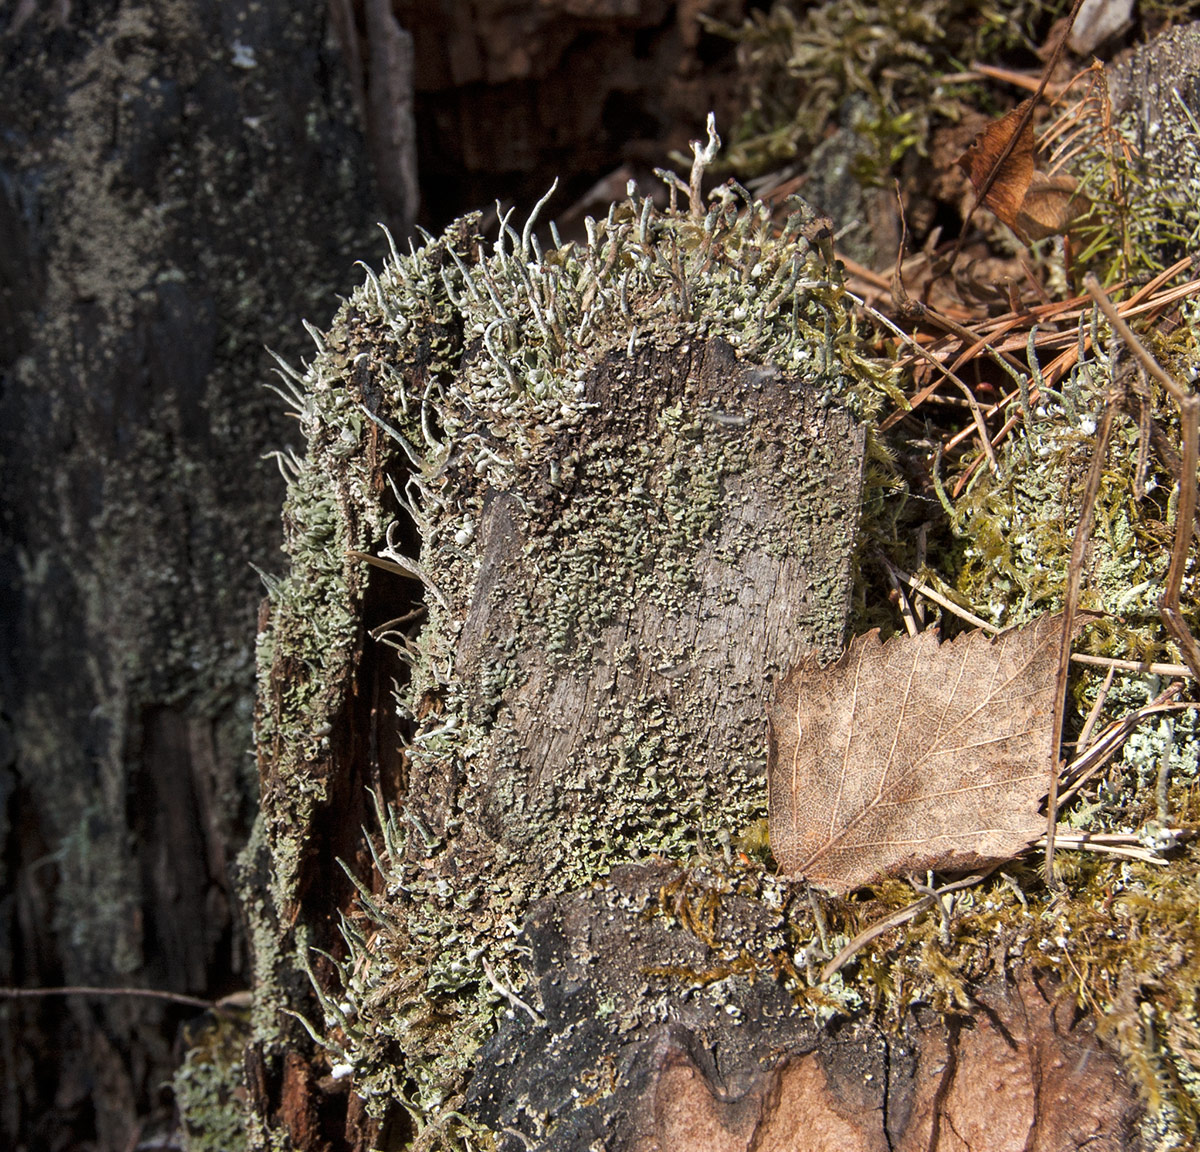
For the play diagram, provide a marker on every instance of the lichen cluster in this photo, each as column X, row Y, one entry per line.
column 208, row 1086
column 1121, row 939
column 444, row 390
column 1125, row 939
column 1015, row 530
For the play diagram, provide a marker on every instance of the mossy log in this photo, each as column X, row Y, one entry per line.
column 562, row 517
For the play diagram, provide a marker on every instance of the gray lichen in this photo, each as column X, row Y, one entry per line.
column 458, row 431
column 208, row 1087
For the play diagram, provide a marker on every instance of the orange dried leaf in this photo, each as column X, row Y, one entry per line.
column 1031, row 203
column 910, row 755
column 1012, row 177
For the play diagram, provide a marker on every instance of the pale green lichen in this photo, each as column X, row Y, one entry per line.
column 455, row 372
column 1123, row 938
column 208, row 1087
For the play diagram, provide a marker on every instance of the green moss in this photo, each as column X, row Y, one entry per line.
column 1016, row 530
column 1123, row 937
column 804, row 64
column 1121, row 940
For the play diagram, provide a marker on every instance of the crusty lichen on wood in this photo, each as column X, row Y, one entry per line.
column 573, row 468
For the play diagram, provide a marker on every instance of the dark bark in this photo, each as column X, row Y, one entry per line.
column 179, row 184
column 510, row 96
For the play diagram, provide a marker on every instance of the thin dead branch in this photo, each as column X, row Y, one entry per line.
column 1189, row 420
column 896, row 919
column 229, row 1002
column 1083, row 532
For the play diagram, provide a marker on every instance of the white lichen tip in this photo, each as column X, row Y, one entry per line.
column 702, row 157
column 708, row 153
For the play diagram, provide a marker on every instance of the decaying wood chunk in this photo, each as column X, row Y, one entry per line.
column 733, row 1069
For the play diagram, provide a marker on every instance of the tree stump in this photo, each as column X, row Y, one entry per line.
column 563, row 516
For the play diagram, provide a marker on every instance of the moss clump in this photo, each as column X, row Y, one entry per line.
column 805, row 65
column 1017, row 528
column 1122, row 939
column 1123, row 936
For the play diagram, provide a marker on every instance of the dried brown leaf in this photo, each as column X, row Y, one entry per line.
column 1012, row 177
column 1033, row 204
column 910, row 755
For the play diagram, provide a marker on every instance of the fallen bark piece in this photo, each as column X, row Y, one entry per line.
column 737, row 1064
column 1017, row 1074
column 910, row 755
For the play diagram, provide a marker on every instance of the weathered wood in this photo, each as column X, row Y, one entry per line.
column 509, row 93
column 733, row 1067
column 620, row 631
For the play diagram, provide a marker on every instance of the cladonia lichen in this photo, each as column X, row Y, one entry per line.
column 459, row 438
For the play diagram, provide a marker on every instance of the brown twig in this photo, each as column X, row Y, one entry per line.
column 1083, row 533
column 1114, row 317
column 1123, row 844
column 1054, row 372
column 1026, row 81
column 903, row 916
column 87, row 990
column 1088, row 763
column 1085, row 734
column 922, row 589
column 1132, row 665
column 1189, row 420
column 976, row 412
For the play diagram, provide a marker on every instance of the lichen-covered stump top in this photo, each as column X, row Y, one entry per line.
column 625, row 601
